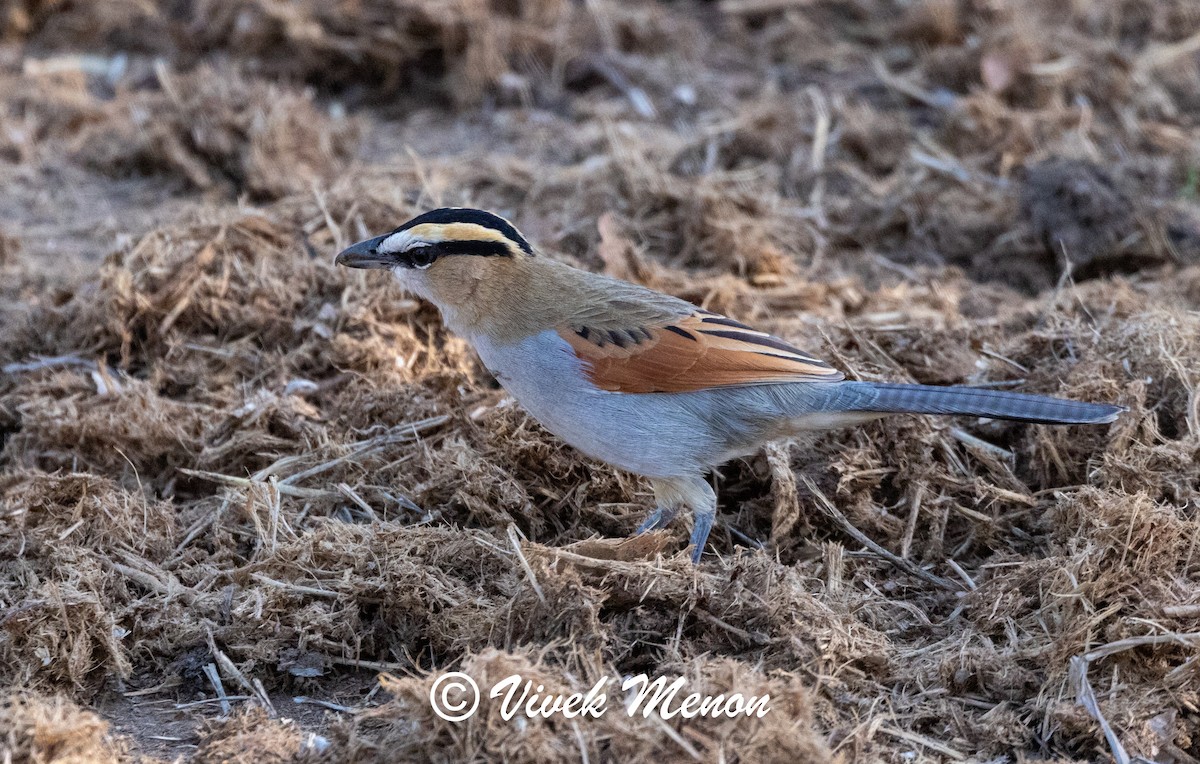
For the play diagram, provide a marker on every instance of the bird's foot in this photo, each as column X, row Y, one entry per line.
column 660, row 518
column 692, row 492
column 700, row 531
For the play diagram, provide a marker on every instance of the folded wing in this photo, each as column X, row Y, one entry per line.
column 690, row 352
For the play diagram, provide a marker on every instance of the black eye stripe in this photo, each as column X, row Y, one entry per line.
column 425, row 254
column 478, row 248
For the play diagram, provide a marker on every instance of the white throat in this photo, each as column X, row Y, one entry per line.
column 416, row 282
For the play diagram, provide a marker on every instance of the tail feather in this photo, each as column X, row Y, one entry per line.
column 971, row 401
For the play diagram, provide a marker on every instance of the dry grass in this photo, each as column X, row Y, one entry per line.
column 229, row 468
column 42, row 729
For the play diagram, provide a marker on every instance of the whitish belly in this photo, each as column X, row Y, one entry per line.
column 657, row 435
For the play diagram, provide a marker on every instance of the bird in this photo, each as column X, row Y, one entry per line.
column 647, row 382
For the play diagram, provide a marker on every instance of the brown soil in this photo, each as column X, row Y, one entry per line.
column 226, row 463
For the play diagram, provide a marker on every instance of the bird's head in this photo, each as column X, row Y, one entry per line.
column 439, row 236
column 476, row 267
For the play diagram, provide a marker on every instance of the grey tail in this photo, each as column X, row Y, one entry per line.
column 973, row 401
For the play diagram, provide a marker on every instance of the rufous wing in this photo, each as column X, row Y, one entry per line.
column 691, row 352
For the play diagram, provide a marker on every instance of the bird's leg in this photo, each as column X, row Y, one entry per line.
column 660, row 518
column 673, row 493
column 701, row 529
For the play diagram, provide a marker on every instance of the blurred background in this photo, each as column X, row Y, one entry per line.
column 1003, row 137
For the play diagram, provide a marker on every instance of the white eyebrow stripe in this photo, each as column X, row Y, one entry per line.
column 397, row 242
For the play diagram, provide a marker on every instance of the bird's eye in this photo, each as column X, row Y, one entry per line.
column 422, row 257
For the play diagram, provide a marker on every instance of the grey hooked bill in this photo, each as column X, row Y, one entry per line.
column 365, row 254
